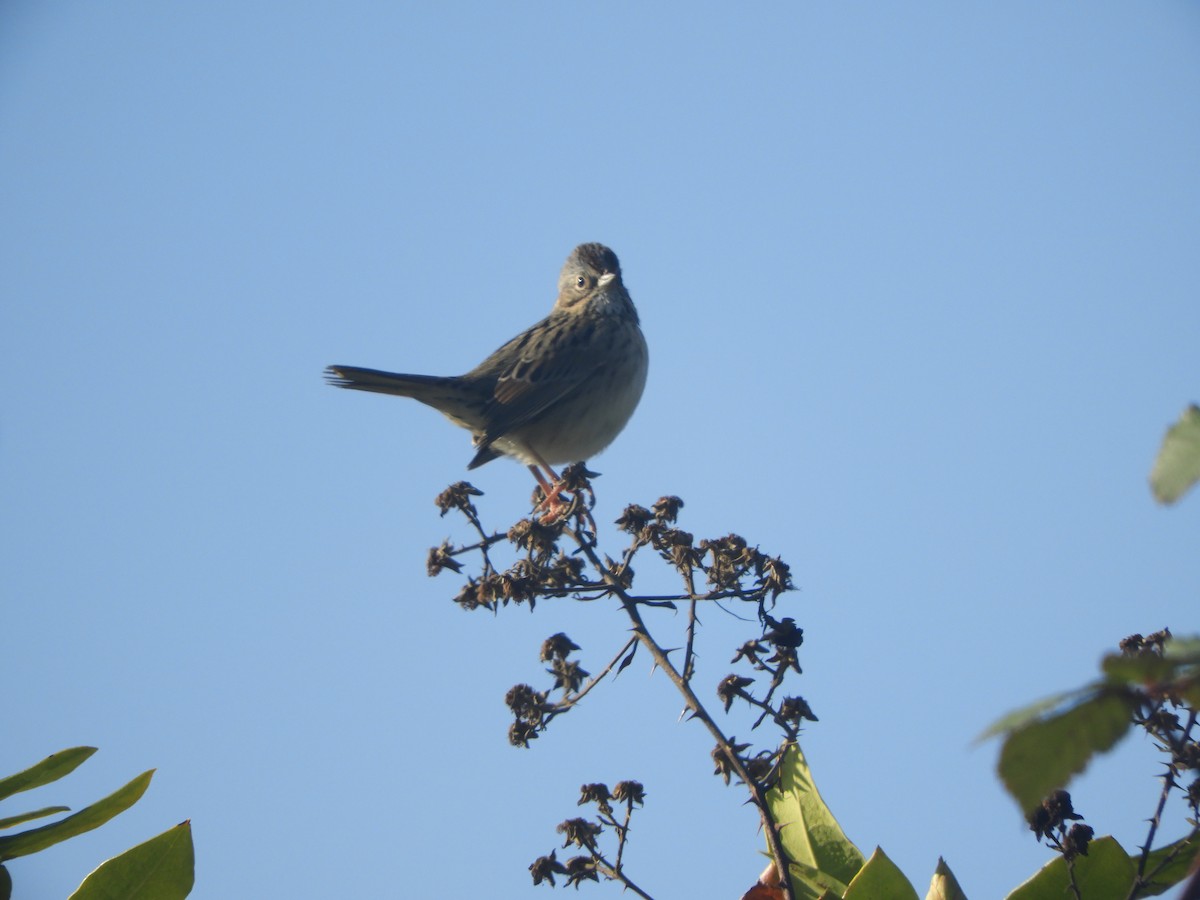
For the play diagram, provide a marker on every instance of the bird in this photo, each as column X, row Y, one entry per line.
column 559, row 392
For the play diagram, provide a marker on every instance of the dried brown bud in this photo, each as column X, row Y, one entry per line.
column 794, row 709
column 580, row 869
column 568, row 674
column 785, row 633
column 759, row 768
column 731, row 559
column 557, row 646
column 580, row 832
column 565, row 572
column 667, row 508
column 1193, row 794
column 1159, row 639
column 440, row 558
column 1187, row 757
column 630, row 792
column 544, row 868
column 598, row 794
column 538, row 538
column 722, row 761
column 732, row 687
column 576, row 478
column 458, row 496
column 1131, row 645
column 750, row 651
column 1076, row 841
column 776, row 576
column 520, row 733
column 623, row 573
column 470, row 596
column 525, row 702
column 634, row 519
column 1054, row 812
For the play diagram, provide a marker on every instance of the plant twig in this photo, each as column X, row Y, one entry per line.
column 697, row 709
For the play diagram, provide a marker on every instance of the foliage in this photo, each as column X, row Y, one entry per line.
column 160, row 869
column 1178, row 465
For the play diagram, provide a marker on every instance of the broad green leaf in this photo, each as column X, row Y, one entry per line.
column 880, row 879
column 5, row 884
column 1184, row 649
column 29, row 816
column 1178, row 465
column 162, row 868
column 1180, row 661
column 1044, row 755
column 1181, row 854
column 50, row 769
column 809, row 882
column 1031, row 713
column 85, row 820
column 1177, row 668
column 944, row 886
column 1148, row 668
column 811, row 836
column 1106, row 873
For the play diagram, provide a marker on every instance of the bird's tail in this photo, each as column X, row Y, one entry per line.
column 417, row 386
column 460, row 400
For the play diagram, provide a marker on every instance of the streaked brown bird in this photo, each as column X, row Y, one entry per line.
column 559, row 392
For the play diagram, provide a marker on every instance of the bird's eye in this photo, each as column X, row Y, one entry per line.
column 581, row 281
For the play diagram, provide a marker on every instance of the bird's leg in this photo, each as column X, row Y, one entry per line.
column 546, row 486
column 552, row 487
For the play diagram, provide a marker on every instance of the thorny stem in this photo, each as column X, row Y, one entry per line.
column 689, row 664
column 485, row 540
column 1169, row 782
column 1056, row 842
column 757, row 792
column 689, row 654
column 568, row 702
column 623, row 831
column 614, row 872
column 1071, row 874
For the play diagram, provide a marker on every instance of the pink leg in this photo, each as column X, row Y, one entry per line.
column 551, row 487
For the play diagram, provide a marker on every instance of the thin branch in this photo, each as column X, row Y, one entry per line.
column 757, row 792
column 1169, row 782
column 608, row 870
column 566, row 703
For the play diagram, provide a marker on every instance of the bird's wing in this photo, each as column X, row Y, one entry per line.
column 534, row 371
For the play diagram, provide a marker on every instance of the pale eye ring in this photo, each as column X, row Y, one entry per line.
column 581, row 281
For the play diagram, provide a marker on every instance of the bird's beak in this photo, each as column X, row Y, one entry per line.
column 606, row 278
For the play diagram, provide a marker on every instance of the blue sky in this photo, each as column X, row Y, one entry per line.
column 919, row 283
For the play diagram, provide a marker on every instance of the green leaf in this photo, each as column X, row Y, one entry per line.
column 1044, row 755
column 29, row 816
column 1106, row 873
column 1176, row 670
column 162, row 868
column 1180, row 660
column 1180, row 854
column 812, row 838
column 50, row 769
column 1183, row 649
column 944, row 886
column 1178, row 465
column 1144, row 668
column 880, row 879
column 1031, row 713
column 85, row 820
column 809, row 882
column 5, row 884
